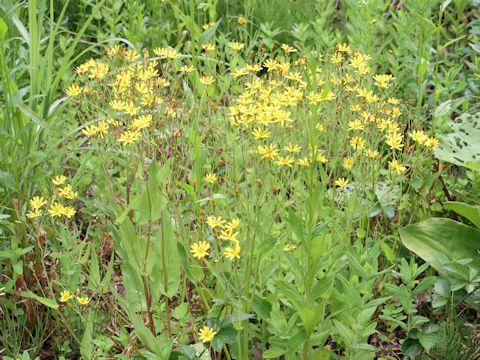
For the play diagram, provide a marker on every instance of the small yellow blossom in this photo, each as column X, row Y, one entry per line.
column 291, row 247
column 213, row 221
column 292, row 148
column 236, row 46
column 206, row 334
column 357, row 142
column 348, row 163
column 432, row 142
column 90, row 130
column 288, row 49
column 69, row 211
column 304, row 162
column 73, row 90
column 56, row 209
column 200, row 249
column 129, row 137
column 65, row 295
column 208, row 47
column 35, row 213
column 233, row 252
column 37, row 202
column 232, row 225
column 261, row 134
column 342, row 182
column 399, row 168
column 83, row 301
column 59, row 180
column 241, row 20
column 207, row 80
column 186, row 69
column 210, row 178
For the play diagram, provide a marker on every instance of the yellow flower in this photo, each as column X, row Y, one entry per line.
column 288, row 49
column 418, row 136
column 343, row 47
column 357, row 142
column 291, row 247
column 37, row 202
column 56, row 209
column 69, row 211
column 268, row 151
column 65, row 295
column 229, row 235
column 232, row 253
column 337, row 58
column 355, row 125
column 372, row 153
column 209, row 25
column 210, row 178
column 71, row 195
column 432, row 142
column 129, row 137
column 254, row 67
column 90, row 130
column 73, row 90
column 236, row 46
column 261, row 134
column 208, row 47
column 383, row 80
column 206, row 334
column 213, row 221
column 319, row 127
column 348, row 163
column 59, row 180
column 200, row 249
column 342, row 182
column 399, row 168
column 35, row 213
column 207, row 80
column 83, row 301
column 232, row 225
column 287, row 160
column 142, row 122
column 239, row 72
column 394, row 140
column 241, row 20
column 186, row 69
column 304, row 162
column 292, row 148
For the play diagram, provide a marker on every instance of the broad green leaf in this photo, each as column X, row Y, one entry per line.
column 51, row 303
column 320, row 287
column 470, row 212
column 94, row 275
column 86, row 346
column 262, row 307
column 273, row 353
column 208, row 34
column 452, row 239
column 3, row 29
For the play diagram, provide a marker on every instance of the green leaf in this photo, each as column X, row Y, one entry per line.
column 51, row 303
column 472, row 213
column 291, row 293
column 205, row 37
column 273, row 353
column 86, row 346
column 3, row 29
column 320, row 287
column 261, row 307
column 230, row 319
column 450, row 238
column 94, row 275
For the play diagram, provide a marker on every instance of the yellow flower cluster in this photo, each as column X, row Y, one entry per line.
column 226, row 233
column 66, row 295
column 56, row 208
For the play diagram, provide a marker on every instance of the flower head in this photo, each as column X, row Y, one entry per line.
column 65, row 295
column 213, row 221
column 233, row 252
column 59, row 180
column 200, row 249
column 206, row 334
column 342, row 182
column 210, row 178
column 83, row 301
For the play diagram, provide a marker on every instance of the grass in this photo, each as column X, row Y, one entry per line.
column 232, row 195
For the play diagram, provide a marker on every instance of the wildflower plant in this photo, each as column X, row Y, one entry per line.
column 209, row 194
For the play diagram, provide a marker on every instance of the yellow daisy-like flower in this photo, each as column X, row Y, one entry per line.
column 268, row 151
column 59, row 180
column 399, row 168
column 286, row 161
column 207, row 80
column 233, row 252
column 291, row 247
column 261, row 134
column 432, row 142
column 342, row 182
column 213, row 221
column 129, row 137
column 35, row 213
column 241, row 20
column 304, row 162
column 292, row 148
column 343, row 47
column 394, row 140
column 232, row 225
column 200, row 249
column 65, row 295
column 210, row 178
column 83, row 301
column 37, row 202
column 56, row 209
column 355, row 125
column 319, row 127
column 90, row 130
column 73, row 90
column 206, row 334
column 236, row 46
column 418, row 136
column 69, row 211
column 239, row 72
column 357, row 142
column 348, row 163
column 186, row 69
column 208, row 47
column 288, row 49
